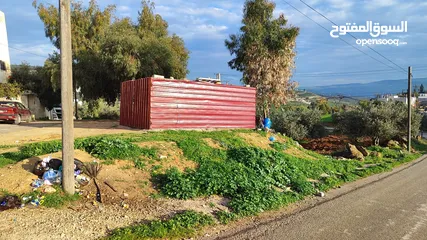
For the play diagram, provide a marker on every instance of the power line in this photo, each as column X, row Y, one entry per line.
column 35, row 54
column 353, row 36
column 308, row 74
column 339, row 38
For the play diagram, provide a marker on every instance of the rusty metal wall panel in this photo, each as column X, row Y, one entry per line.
column 179, row 104
column 125, row 104
column 176, row 104
column 135, row 104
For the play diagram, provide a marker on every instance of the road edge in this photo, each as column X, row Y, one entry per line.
column 252, row 223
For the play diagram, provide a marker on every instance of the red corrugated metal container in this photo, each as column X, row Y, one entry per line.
column 151, row 103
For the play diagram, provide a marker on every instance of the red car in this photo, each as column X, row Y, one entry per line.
column 14, row 112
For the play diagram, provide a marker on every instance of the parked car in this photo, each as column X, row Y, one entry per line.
column 56, row 113
column 14, row 112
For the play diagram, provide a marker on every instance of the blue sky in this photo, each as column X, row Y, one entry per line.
column 204, row 25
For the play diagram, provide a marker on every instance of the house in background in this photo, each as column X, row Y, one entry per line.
column 397, row 98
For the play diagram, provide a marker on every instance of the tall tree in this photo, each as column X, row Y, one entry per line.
column 89, row 24
column 264, row 52
column 108, row 50
column 422, row 89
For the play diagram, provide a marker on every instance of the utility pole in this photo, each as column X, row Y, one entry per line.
column 67, row 99
column 409, row 107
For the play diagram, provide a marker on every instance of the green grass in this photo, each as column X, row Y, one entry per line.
column 57, row 199
column 182, row 225
column 326, row 118
column 254, row 179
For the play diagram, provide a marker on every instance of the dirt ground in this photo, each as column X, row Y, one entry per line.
column 50, row 130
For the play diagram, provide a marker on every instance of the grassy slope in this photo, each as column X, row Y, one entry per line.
column 327, row 118
column 254, row 179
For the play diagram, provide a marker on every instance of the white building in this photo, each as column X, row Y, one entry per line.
column 396, row 98
column 4, row 50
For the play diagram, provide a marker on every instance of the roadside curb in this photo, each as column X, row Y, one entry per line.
column 246, row 225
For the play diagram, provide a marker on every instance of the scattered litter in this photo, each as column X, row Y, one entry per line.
column 37, row 183
column 267, row 123
column 49, row 190
column 163, row 157
column 26, row 199
column 272, row 139
column 53, row 176
column 124, row 205
column 9, row 202
column 47, row 182
column 321, row 194
column 82, row 180
column 125, row 195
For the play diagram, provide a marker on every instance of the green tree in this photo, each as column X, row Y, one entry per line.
column 264, row 52
column 422, row 89
column 10, row 90
column 108, row 50
column 38, row 81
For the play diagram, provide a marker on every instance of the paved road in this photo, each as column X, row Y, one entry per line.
column 392, row 208
column 8, row 128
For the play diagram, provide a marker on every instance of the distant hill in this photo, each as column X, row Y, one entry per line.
column 367, row 89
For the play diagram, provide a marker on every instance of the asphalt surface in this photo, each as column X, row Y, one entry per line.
column 8, row 128
column 393, row 207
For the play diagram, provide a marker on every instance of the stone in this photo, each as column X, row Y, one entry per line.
column 404, row 146
column 321, row 194
column 376, row 154
column 393, row 144
column 354, row 152
column 324, row 175
column 49, row 190
column 363, row 150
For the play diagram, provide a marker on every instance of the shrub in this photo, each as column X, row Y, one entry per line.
column 382, row 121
column 108, row 148
column 181, row 225
column 99, row 109
column 298, row 124
column 250, row 177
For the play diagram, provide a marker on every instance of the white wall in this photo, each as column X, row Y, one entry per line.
column 4, row 48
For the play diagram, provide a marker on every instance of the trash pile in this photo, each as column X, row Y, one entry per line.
column 49, row 171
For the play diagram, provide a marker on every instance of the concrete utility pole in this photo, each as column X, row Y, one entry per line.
column 67, row 99
column 409, row 106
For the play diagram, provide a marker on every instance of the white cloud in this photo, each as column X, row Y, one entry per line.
column 340, row 4
column 123, row 8
column 375, row 5
column 202, row 12
column 203, row 31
